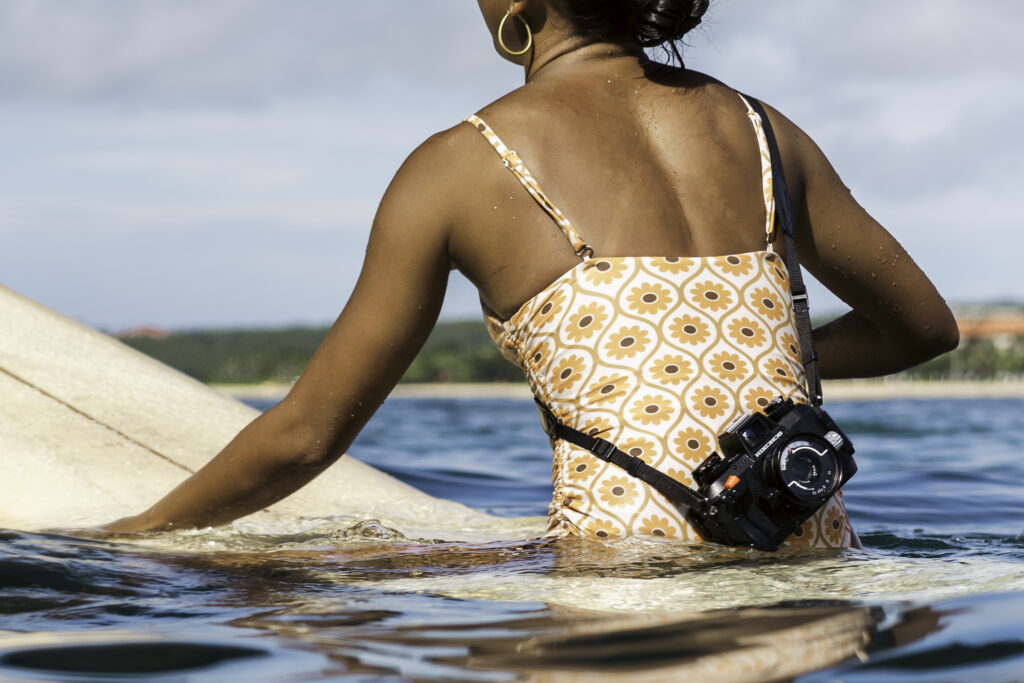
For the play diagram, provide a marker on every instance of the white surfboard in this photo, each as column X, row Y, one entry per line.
column 92, row 430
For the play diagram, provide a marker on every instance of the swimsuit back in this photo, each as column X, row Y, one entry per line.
column 656, row 354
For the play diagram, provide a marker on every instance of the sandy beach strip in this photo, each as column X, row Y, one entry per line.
column 834, row 390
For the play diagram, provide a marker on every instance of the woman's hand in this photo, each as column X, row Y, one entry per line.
column 126, row 525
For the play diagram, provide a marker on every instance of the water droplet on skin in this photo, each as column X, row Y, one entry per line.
column 495, row 207
column 833, row 245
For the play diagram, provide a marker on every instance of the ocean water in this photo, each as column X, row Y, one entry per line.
column 937, row 594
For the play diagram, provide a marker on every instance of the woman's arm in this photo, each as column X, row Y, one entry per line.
column 898, row 319
column 391, row 311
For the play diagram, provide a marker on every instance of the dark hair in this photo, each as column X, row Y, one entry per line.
column 649, row 22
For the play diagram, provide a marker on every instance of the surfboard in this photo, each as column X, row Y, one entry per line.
column 92, row 430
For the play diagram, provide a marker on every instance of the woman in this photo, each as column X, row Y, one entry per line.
column 637, row 279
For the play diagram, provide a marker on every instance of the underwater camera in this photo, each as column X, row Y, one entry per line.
column 777, row 468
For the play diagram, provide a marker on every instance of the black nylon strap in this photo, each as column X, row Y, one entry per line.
column 607, row 451
column 797, row 289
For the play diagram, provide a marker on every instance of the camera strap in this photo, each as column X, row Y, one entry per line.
column 797, row 289
column 609, row 452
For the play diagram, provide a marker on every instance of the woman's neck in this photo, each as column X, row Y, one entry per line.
column 569, row 54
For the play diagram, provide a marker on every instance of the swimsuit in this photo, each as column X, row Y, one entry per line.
column 656, row 354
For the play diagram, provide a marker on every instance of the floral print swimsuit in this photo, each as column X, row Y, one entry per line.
column 657, row 355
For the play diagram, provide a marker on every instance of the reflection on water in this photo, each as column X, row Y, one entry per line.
column 335, row 603
column 938, row 593
column 456, row 611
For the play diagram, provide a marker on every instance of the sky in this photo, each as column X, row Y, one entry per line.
column 217, row 163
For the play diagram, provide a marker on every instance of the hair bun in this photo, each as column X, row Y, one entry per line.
column 649, row 22
column 661, row 21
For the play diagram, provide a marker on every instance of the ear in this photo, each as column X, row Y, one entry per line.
column 517, row 7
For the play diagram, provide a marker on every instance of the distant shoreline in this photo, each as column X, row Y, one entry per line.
column 836, row 390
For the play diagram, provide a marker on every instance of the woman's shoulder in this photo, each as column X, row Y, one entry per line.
column 444, row 155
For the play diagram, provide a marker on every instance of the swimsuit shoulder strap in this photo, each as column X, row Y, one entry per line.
column 515, row 164
column 767, row 181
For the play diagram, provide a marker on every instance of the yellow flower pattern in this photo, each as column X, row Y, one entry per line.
column 652, row 410
column 693, row 444
column 746, row 332
column 757, row 398
column 627, row 342
column 672, row 369
column 673, row 264
column 711, row 296
column 640, row 448
column 649, row 298
column 728, row 366
column 607, row 388
column 568, row 372
column 735, row 264
column 657, row 526
column 583, row 467
column 602, row 529
column 689, row 329
column 618, row 491
column 587, row 321
column 605, row 271
column 657, row 355
column 710, row 402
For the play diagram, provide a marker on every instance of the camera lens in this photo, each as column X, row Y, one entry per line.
column 807, row 468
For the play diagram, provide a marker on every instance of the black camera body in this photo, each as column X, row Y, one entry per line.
column 777, row 468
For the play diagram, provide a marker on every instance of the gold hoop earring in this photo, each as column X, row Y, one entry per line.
column 529, row 35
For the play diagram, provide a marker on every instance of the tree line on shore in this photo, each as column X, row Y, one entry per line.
column 460, row 352
column 454, row 352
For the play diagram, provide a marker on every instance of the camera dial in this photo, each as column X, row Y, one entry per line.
column 807, row 468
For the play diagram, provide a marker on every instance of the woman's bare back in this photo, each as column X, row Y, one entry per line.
column 641, row 166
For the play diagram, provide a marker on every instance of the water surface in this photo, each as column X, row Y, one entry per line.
column 936, row 594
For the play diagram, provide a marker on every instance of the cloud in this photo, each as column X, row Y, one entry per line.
column 230, row 52
column 809, row 41
column 240, row 146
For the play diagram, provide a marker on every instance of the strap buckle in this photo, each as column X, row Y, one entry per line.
column 547, row 418
column 603, row 449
